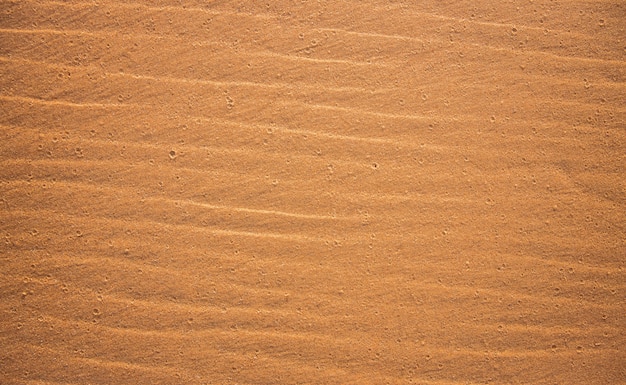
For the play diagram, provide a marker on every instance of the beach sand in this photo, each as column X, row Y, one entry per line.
column 312, row 192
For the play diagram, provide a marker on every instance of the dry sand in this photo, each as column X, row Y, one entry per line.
column 312, row 192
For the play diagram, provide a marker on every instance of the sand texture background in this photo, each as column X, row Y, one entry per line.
column 312, row 192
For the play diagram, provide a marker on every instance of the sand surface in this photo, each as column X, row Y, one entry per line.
column 312, row 192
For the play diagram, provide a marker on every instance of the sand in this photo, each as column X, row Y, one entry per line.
column 312, row 192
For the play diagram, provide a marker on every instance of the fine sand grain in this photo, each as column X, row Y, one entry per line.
column 312, row 192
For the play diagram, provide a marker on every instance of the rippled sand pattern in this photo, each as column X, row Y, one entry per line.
column 312, row 192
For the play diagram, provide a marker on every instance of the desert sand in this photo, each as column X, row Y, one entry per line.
column 312, row 192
